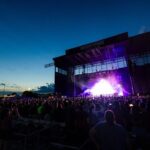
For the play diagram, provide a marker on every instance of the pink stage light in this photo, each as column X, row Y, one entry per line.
column 103, row 87
column 106, row 87
column 119, row 90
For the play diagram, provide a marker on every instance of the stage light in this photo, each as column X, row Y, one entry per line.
column 110, row 104
column 106, row 87
column 119, row 90
column 103, row 87
column 131, row 105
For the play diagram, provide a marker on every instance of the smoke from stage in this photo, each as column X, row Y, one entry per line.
column 106, row 87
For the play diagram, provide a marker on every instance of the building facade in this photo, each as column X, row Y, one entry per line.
column 121, row 59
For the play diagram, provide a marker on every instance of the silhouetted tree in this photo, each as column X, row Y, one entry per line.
column 48, row 88
column 29, row 94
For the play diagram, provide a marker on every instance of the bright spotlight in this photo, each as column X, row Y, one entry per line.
column 103, row 87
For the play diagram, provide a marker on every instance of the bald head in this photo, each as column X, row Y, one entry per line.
column 109, row 116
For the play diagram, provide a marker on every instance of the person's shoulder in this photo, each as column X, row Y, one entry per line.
column 119, row 127
column 100, row 124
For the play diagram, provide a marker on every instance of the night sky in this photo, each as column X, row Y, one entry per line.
column 32, row 32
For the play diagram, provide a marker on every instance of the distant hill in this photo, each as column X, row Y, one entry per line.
column 9, row 92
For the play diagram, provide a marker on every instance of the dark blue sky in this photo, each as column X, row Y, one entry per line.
column 32, row 32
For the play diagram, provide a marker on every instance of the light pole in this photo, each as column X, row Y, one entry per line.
column 4, row 88
column 3, row 84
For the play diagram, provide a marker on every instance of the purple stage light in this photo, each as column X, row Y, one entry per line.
column 103, row 87
column 119, row 90
column 106, row 87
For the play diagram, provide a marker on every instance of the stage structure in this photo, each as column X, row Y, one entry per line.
column 118, row 65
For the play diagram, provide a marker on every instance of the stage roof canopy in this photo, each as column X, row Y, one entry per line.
column 95, row 51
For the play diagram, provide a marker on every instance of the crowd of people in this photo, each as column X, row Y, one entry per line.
column 82, row 115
